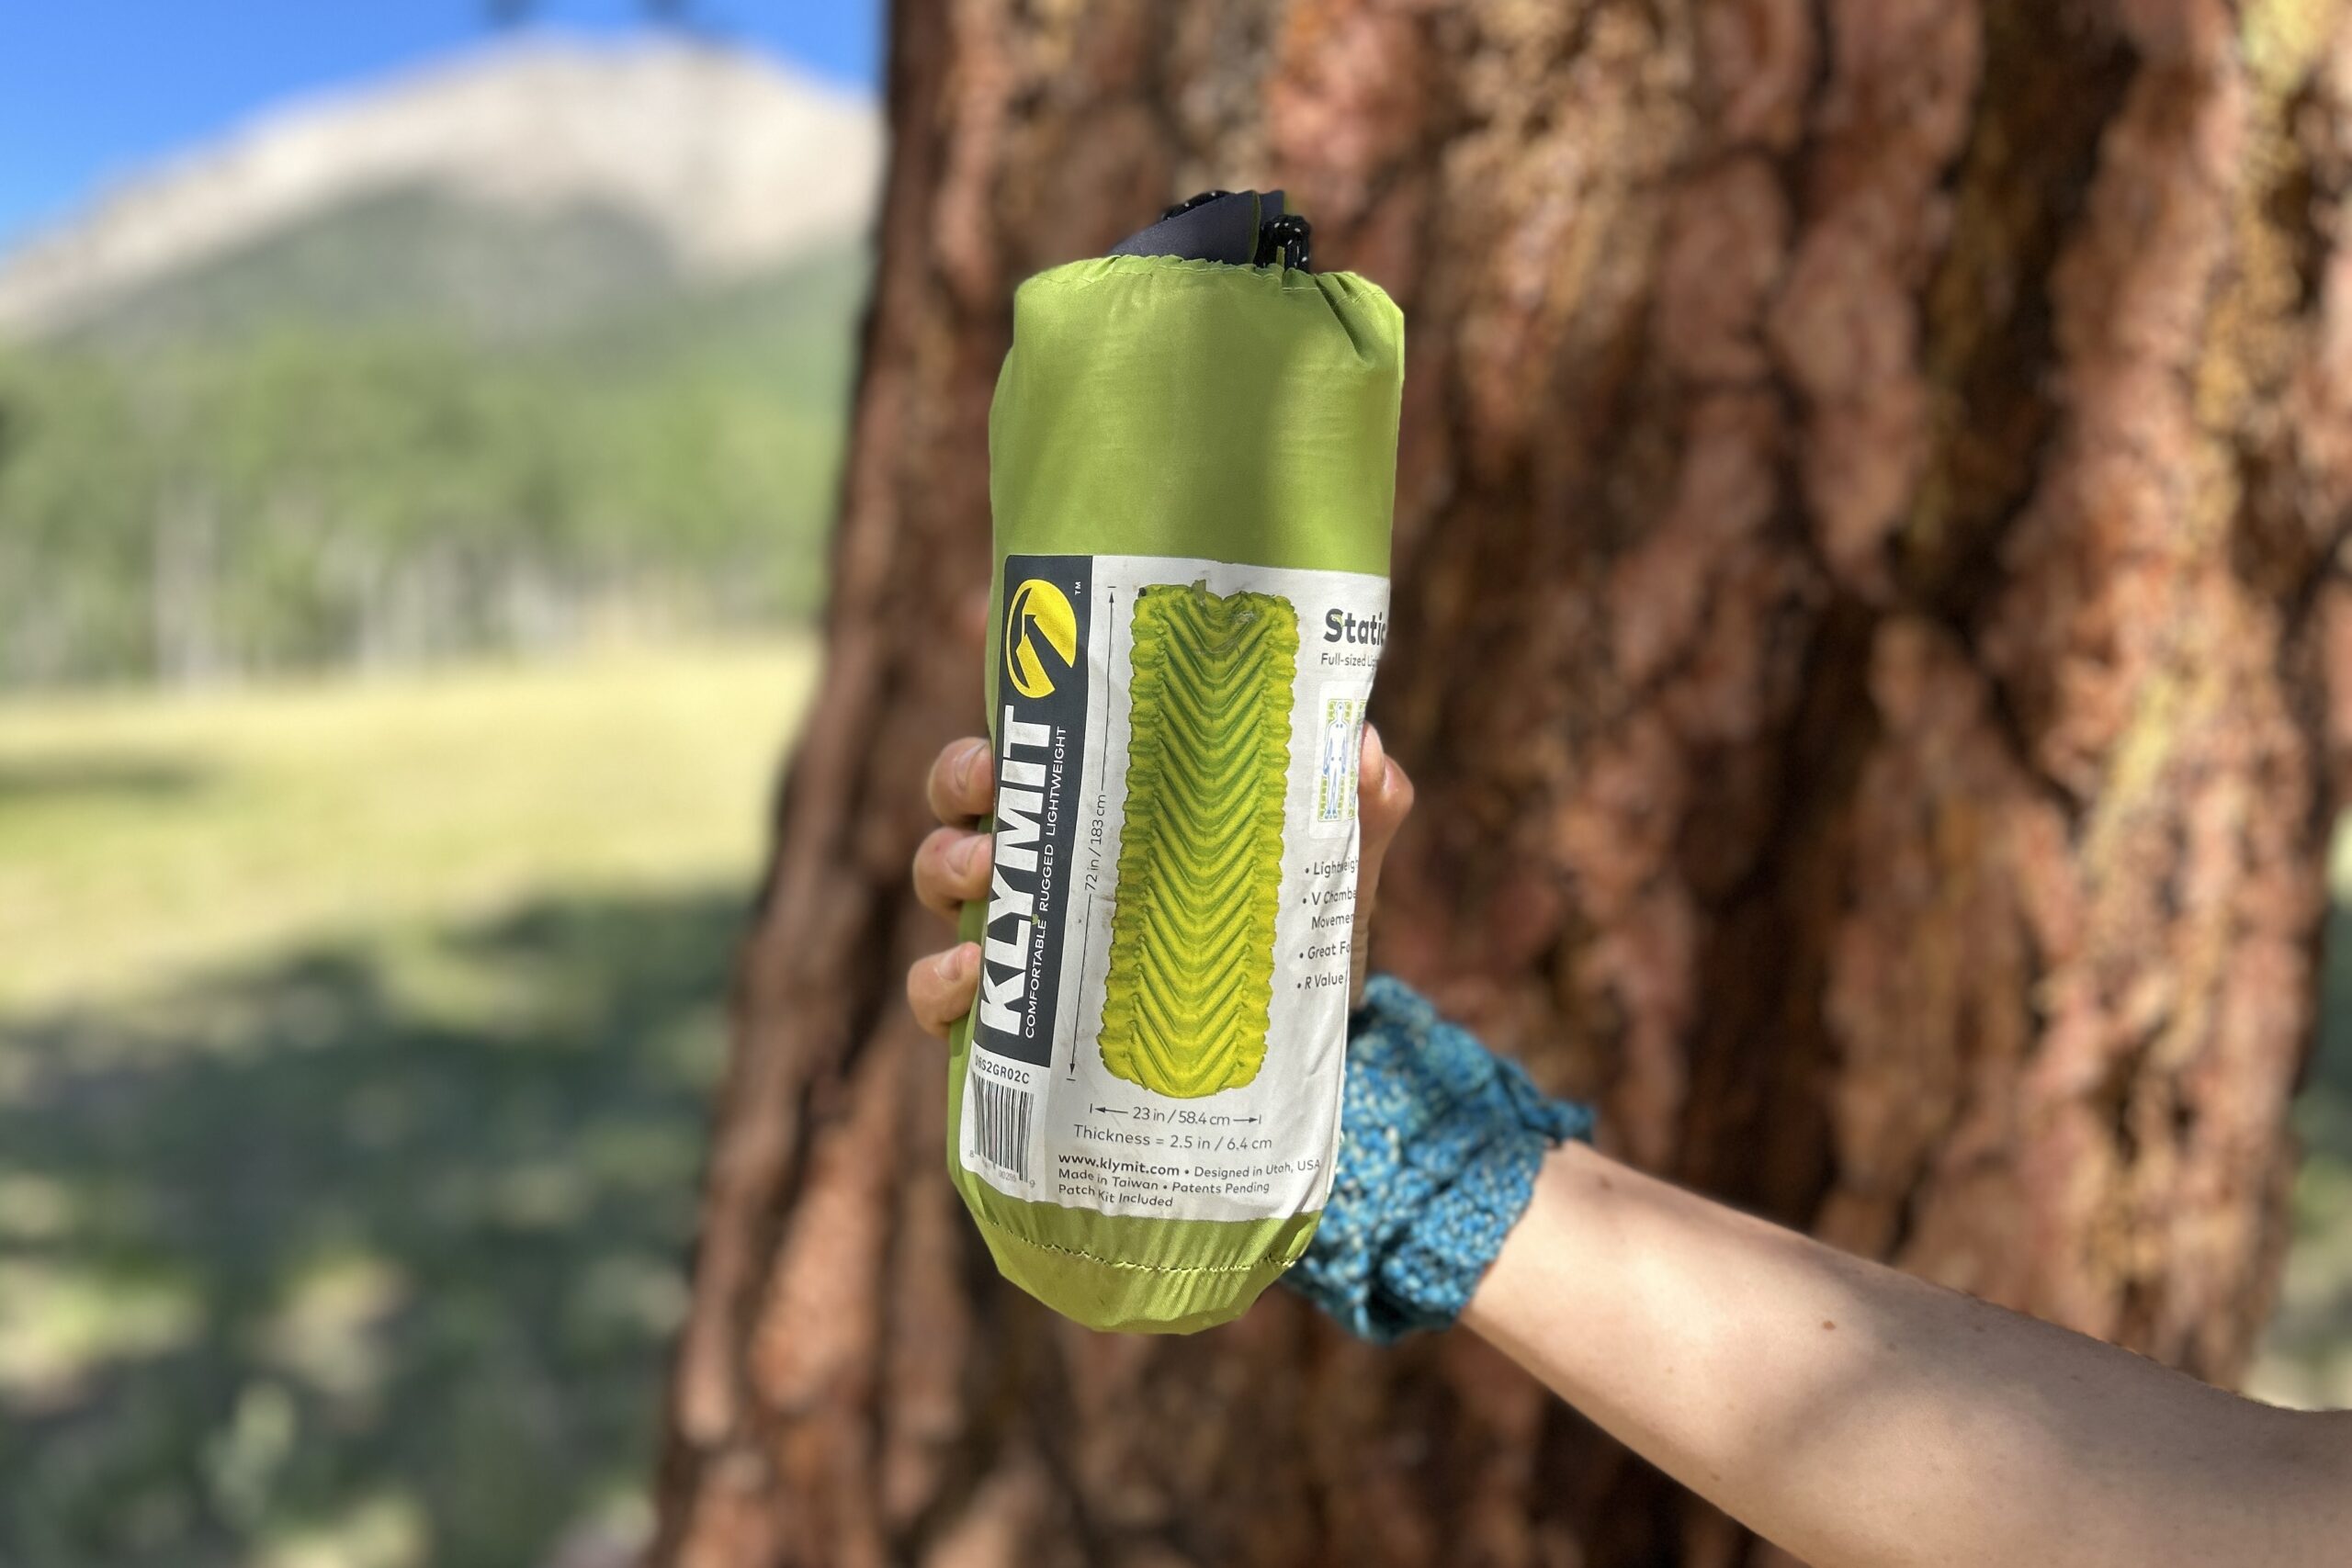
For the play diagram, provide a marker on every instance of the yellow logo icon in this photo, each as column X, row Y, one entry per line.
column 1037, row 610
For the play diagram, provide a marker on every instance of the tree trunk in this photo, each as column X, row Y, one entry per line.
column 1871, row 475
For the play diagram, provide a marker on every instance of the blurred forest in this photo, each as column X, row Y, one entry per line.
column 412, row 430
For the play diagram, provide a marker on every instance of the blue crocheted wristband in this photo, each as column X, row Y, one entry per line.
column 1439, row 1140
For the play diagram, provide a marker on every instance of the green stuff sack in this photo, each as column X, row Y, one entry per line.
column 1191, row 469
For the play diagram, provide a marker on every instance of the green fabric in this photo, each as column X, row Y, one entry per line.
column 1164, row 407
column 1157, row 407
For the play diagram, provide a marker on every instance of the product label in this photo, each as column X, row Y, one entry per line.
column 1161, row 1019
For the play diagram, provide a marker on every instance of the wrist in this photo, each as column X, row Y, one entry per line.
column 1535, row 1267
column 1441, row 1141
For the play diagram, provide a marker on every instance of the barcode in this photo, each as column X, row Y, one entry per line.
column 1000, row 1124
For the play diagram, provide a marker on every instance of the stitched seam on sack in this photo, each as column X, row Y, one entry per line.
column 1141, row 1267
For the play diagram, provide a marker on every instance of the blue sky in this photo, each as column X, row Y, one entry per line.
column 91, row 89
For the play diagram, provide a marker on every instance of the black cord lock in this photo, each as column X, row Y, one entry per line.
column 1239, row 228
column 1286, row 237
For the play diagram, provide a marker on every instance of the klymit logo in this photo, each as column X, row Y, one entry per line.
column 1013, row 888
column 1037, row 612
column 1040, row 767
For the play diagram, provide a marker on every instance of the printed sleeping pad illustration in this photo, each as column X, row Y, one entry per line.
column 1186, row 1003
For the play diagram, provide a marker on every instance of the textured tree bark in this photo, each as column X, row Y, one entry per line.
column 1866, row 535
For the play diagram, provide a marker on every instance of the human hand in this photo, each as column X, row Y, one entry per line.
column 952, row 867
column 1439, row 1139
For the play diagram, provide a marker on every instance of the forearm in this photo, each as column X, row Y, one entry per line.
column 1857, row 1415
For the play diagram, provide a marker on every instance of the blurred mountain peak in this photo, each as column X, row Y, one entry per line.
column 731, row 163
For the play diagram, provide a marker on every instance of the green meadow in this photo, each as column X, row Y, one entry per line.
column 356, row 1045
